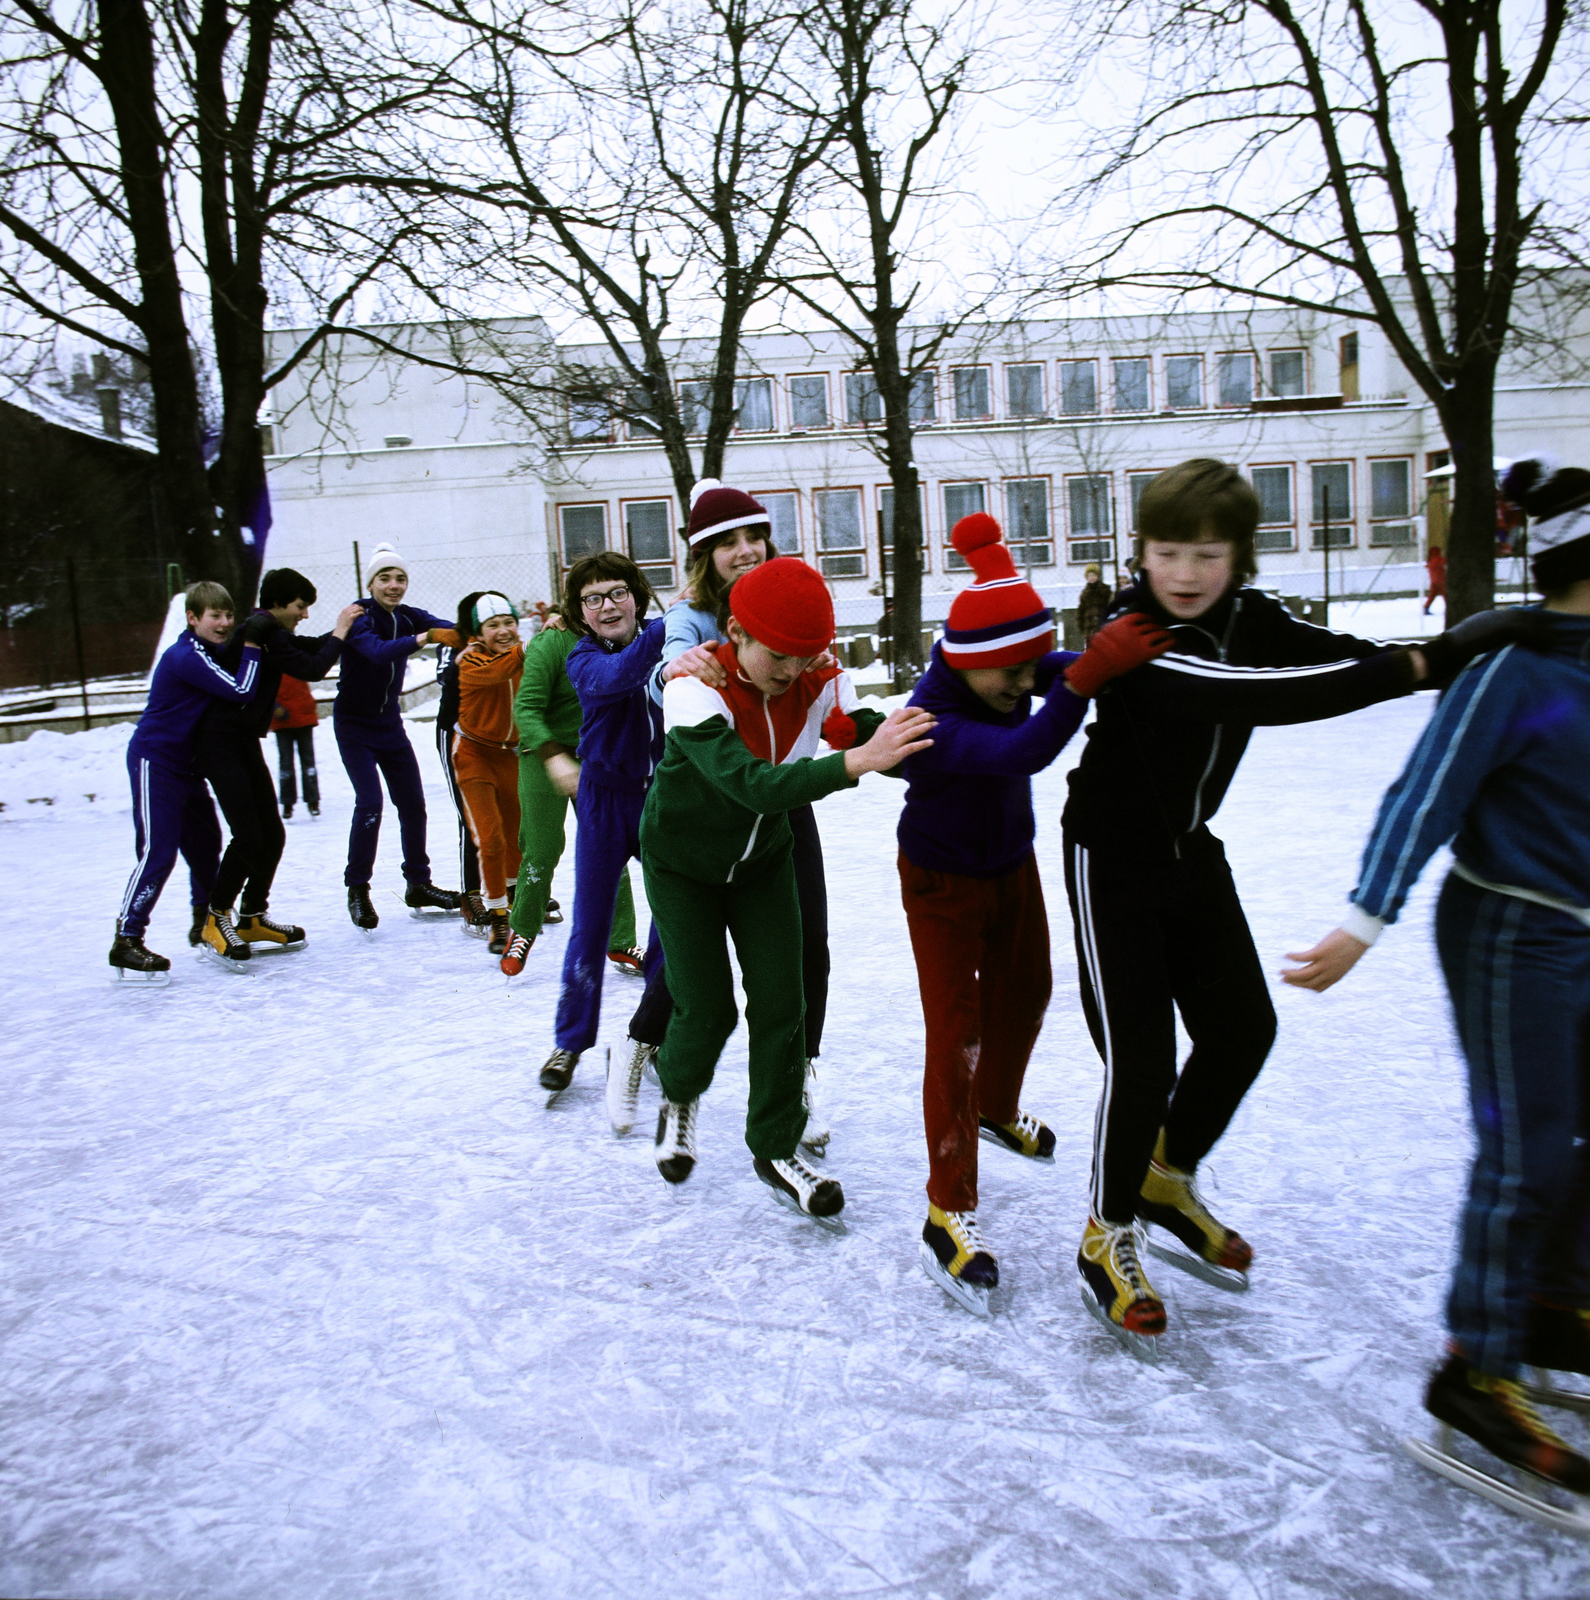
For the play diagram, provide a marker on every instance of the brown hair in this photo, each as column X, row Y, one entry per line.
column 205, row 596
column 603, row 566
column 1188, row 503
column 709, row 591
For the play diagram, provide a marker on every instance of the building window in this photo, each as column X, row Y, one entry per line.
column 1090, row 531
column 695, row 406
column 1079, row 388
column 1347, row 353
column 753, row 405
column 924, row 397
column 1027, row 521
column 1286, row 372
column 960, row 500
column 583, row 530
column 590, row 421
column 786, row 523
column 1136, row 483
column 840, row 542
column 648, row 534
column 640, row 415
column 1390, row 503
column 863, row 403
column 1333, row 501
column 1273, row 486
column 808, row 400
column 1184, row 382
column 886, row 526
column 1130, row 378
column 1234, row 378
column 971, row 394
column 1024, row 391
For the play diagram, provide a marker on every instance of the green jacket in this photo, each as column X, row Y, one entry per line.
column 546, row 707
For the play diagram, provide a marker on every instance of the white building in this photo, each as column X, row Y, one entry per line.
column 1052, row 426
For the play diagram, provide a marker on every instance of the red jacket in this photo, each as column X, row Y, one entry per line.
column 297, row 699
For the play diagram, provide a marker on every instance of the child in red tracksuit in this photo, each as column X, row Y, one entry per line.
column 969, row 879
column 294, row 722
column 486, row 750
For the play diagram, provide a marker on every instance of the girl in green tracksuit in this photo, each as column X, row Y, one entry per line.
column 716, row 850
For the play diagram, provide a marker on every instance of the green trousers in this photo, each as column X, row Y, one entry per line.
column 542, row 815
column 762, row 915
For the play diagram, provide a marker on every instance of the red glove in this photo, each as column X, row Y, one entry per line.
column 1116, row 648
column 839, row 731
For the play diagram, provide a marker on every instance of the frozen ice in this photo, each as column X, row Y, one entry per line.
column 307, row 1295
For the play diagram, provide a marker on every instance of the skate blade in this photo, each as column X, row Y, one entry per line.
column 237, row 969
column 833, row 1224
column 999, row 1144
column 428, row 913
column 1544, row 1391
column 140, row 980
column 1169, row 1249
column 273, row 949
column 1573, row 1518
column 472, row 932
column 1144, row 1346
column 967, row 1295
column 625, row 970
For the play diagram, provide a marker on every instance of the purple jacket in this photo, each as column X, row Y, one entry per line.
column 621, row 737
column 968, row 800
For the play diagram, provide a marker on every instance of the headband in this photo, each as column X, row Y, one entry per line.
column 492, row 605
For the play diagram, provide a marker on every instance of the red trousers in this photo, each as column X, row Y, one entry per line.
column 488, row 780
column 982, row 961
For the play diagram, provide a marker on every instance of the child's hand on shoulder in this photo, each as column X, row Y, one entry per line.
column 903, row 733
column 699, row 661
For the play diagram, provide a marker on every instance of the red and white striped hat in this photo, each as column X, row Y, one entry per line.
column 1000, row 620
column 716, row 508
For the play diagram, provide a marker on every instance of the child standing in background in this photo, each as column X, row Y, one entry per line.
column 294, row 725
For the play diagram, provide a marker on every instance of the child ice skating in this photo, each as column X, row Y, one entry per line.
column 969, row 879
column 293, row 721
column 1158, row 923
column 716, row 848
column 471, row 904
column 171, row 809
column 367, row 717
column 1502, row 771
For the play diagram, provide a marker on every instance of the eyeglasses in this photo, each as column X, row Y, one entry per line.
column 616, row 596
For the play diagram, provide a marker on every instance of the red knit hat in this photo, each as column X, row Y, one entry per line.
column 716, row 508
column 785, row 605
column 1001, row 620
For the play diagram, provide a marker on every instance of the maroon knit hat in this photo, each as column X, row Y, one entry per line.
column 716, row 508
column 785, row 605
column 1000, row 620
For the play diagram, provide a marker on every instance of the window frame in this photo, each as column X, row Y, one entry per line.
column 1301, row 352
column 1222, row 359
column 1017, row 549
column 1101, row 548
column 762, row 496
column 928, row 377
column 1403, row 520
column 986, row 368
column 1274, row 528
column 828, row 408
column 1147, row 474
column 887, row 551
column 1091, row 362
column 954, row 561
column 872, row 378
column 579, row 440
column 1042, row 413
column 565, row 562
column 844, row 552
column 690, row 410
column 1147, row 408
column 740, row 385
column 1202, row 403
column 1349, row 523
column 649, row 567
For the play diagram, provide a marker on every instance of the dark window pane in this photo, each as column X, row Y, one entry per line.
column 1389, row 491
column 863, row 403
column 584, row 531
column 808, row 399
column 1024, row 391
column 1136, row 483
column 1027, row 510
column 1184, row 382
column 1088, row 502
column 1273, row 485
column 971, row 394
column 786, row 529
column 753, row 405
column 1286, row 372
column 695, row 401
column 1235, row 376
column 838, row 519
column 1334, row 478
column 646, row 531
column 1079, row 388
column 1131, row 384
column 924, row 397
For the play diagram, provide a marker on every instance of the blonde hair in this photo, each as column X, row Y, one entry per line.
column 205, row 596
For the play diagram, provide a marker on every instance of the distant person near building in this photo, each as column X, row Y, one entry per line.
column 1435, row 566
column 1093, row 604
column 294, row 725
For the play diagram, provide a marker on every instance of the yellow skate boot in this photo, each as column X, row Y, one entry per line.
column 1182, row 1231
column 1116, row 1289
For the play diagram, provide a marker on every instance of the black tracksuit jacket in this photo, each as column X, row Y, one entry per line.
column 281, row 651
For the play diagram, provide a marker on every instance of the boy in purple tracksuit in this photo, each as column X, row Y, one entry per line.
column 171, row 810
column 367, row 717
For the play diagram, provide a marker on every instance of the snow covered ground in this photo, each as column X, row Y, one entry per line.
column 306, row 1294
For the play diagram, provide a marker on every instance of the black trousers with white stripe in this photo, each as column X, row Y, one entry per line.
column 1153, row 936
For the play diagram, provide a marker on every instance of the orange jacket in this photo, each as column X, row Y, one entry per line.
column 486, row 687
column 297, row 699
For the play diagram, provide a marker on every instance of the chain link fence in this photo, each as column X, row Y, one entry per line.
column 436, row 584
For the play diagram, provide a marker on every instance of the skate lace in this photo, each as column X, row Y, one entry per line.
column 517, row 945
column 967, row 1232
column 1027, row 1125
column 226, row 928
column 684, row 1120
column 797, row 1169
column 641, row 1054
column 1512, row 1396
column 1119, row 1244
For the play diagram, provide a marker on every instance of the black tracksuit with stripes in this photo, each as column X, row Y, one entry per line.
column 1158, row 922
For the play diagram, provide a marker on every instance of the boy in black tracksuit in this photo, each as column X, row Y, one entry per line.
column 1157, row 918
column 228, row 756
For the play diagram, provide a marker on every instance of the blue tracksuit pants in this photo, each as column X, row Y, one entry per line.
column 607, row 834
column 369, row 755
column 171, row 811
column 1519, row 977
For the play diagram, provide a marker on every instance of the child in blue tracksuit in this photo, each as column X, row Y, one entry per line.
column 1503, row 771
column 171, row 810
column 367, row 718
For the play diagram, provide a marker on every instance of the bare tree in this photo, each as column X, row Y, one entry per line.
column 1338, row 157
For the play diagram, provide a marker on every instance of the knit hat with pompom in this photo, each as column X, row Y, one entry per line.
column 716, row 508
column 1000, row 620
column 785, row 605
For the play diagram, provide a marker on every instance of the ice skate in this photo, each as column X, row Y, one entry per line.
column 1182, row 1231
column 557, row 1072
column 515, row 955
column 500, row 932
column 130, row 962
column 287, row 813
column 623, row 1086
column 477, row 919
column 675, row 1144
column 1550, row 1481
column 1557, row 1341
column 259, row 932
column 957, row 1258
column 1116, row 1290
column 815, row 1135
column 553, row 913
column 630, row 962
column 426, row 901
column 222, row 942
column 1027, row 1136
column 794, row 1184
column 201, row 915
column 361, row 909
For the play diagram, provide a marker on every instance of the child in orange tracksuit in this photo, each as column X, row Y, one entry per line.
column 486, row 749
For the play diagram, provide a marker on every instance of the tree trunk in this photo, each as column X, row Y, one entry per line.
column 1471, row 541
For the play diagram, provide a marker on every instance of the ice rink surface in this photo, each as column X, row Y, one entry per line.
column 306, row 1294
